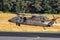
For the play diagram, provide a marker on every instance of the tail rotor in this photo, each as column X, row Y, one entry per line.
column 55, row 18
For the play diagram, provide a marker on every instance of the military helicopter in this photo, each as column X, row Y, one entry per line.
column 34, row 20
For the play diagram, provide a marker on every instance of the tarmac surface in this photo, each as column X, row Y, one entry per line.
column 29, row 36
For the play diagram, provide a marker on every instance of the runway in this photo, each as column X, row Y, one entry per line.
column 30, row 34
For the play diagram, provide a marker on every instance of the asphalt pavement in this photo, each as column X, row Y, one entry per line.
column 29, row 36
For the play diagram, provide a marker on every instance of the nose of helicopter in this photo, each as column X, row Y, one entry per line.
column 9, row 21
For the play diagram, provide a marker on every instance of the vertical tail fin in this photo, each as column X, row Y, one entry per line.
column 52, row 21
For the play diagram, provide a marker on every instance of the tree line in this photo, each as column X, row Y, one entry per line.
column 32, row 6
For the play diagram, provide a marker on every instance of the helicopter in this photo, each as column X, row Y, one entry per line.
column 34, row 20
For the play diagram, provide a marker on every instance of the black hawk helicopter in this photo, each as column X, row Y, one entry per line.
column 34, row 20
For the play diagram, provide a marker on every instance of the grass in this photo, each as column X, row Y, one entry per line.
column 6, row 26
